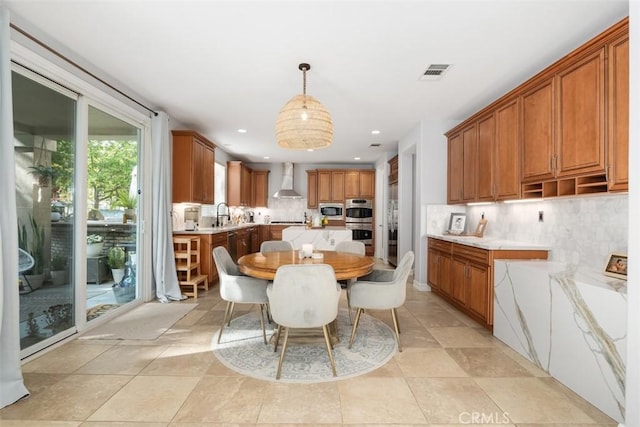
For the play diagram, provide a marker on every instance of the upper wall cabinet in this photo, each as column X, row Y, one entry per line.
column 246, row 187
column 193, row 167
column 618, row 114
column 359, row 184
column 564, row 132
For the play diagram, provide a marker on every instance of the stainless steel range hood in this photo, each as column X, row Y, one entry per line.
column 286, row 189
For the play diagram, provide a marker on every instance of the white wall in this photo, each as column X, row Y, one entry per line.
column 633, row 292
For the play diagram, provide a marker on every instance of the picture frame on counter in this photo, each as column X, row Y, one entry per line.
column 457, row 223
column 616, row 265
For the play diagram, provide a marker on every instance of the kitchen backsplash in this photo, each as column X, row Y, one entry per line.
column 581, row 230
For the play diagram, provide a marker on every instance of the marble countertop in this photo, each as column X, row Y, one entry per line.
column 216, row 230
column 580, row 274
column 491, row 243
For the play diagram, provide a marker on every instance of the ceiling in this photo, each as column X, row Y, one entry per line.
column 220, row 66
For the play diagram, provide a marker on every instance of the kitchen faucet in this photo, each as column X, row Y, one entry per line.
column 218, row 223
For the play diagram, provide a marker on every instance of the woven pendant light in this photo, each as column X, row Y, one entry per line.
column 304, row 123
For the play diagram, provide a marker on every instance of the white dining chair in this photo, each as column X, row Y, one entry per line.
column 238, row 288
column 304, row 296
column 381, row 290
column 275, row 246
column 351, row 246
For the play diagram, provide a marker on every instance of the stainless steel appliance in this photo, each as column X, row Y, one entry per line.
column 362, row 231
column 358, row 210
column 333, row 211
column 392, row 225
column 359, row 219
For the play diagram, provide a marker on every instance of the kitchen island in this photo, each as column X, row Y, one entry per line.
column 321, row 238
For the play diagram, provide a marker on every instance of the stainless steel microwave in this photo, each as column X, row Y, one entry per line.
column 333, row 211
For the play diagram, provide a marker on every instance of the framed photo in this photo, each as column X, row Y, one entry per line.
column 616, row 266
column 457, row 223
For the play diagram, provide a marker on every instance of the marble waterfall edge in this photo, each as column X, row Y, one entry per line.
column 321, row 238
column 572, row 324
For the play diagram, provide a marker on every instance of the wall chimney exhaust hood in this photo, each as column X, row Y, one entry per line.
column 286, row 190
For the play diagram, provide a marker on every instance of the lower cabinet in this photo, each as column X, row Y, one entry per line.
column 463, row 275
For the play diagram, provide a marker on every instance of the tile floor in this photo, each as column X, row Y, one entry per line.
column 451, row 372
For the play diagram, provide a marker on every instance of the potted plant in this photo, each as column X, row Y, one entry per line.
column 58, row 270
column 44, row 174
column 129, row 203
column 94, row 245
column 116, row 261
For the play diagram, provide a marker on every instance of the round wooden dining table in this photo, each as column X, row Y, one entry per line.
column 345, row 265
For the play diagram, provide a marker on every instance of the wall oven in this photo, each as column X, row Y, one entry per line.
column 359, row 210
column 362, row 232
column 333, row 211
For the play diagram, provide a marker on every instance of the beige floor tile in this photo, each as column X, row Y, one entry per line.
column 34, row 423
column 192, row 317
column 487, row 362
column 593, row 412
column 428, row 363
column 120, row 424
column 37, row 383
column 185, row 360
column 199, row 335
column 67, row 358
column 301, row 404
column 460, row 337
column 122, row 360
column 438, row 317
column 224, row 400
column 151, row 399
column 531, row 400
column 74, row 398
column 378, row 400
column 389, row 369
column 218, row 369
column 454, row 401
column 521, row 360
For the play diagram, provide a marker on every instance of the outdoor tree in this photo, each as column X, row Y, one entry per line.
column 109, row 169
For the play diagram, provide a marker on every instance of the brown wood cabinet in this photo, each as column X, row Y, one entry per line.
column 256, row 239
column 580, row 117
column 243, row 242
column 463, row 275
column 462, row 161
column 238, row 184
column 359, row 184
column 312, row 189
column 330, row 186
column 618, row 118
column 563, row 132
column 275, row 231
column 393, row 170
column 192, row 168
column 259, row 188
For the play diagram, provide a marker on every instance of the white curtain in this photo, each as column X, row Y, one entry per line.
column 164, row 267
column 11, row 384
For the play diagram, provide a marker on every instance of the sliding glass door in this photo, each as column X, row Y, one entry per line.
column 44, row 128
column 75, row 159
column 112, row 193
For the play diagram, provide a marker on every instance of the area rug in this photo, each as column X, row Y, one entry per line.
column 242, row 349
column 146, row 322
column 99, row 310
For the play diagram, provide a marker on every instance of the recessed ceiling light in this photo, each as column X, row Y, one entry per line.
column 375, row 132
column 309, row 149
column 266, row 157
column 242, row 131
column 356, row 158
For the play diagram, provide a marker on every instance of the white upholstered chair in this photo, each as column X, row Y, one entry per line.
column 304, row 296
column 275, row 246
column 351, row 246
column 238, row 288
column 381, row 290
column 354, row 247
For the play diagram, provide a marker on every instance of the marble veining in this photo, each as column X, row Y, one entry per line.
column 321, row 238
column 570, row 323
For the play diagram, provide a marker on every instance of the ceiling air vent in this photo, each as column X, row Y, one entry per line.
column 434, row 72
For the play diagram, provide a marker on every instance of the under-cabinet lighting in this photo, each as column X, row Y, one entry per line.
column 479, row 203
column 524, row 200
column 242, row 131
column 375, row 132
